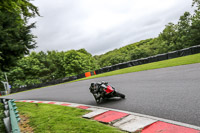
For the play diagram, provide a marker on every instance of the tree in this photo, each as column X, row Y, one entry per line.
column 197, row 3
column 195, row 23
column 78, row 62
column 55, row 60
column 15, row 33
column 169, row 35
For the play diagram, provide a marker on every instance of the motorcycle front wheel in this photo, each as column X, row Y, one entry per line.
column 120, row 95
column 99, row 100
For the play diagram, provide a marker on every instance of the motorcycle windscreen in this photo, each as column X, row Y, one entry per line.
column 109, row 89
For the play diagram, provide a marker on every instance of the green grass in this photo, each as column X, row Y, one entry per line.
column 2, row 127
column 45, row 118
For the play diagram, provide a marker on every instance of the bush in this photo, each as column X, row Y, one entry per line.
column 2, row 127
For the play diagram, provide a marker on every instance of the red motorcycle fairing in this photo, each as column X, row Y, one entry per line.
column 109, row 89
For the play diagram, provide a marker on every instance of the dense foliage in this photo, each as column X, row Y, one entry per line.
column 43, row 67
column 2, row 127
column 15, row 33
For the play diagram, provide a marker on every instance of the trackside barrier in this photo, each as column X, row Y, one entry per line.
column 159, row 57
column 14, row 116
column 11, row 116
column 155, row 58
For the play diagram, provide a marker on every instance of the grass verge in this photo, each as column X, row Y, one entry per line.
column 60, row 119
column 2, row 127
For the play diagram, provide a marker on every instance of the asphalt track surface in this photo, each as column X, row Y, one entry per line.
column 171, row 93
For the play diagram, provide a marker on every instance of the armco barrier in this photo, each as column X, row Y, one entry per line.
column 14, row 116
column 124, row 65
column 195, row 49
column 135, row 62
column 97, row 71
column 93, row 73
column 160, row 57
column 142, row 61
column 100, row 70
column 115, row 67
column 145, row 60
column 72, row 78
column 11, row 116
column 152, row 59
column 106, row 69
column 80, row 76
column 173, row 54
column 121, row 65
column 184, row 52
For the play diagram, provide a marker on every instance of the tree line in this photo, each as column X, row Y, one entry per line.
column 43, row 67
column 25, row 68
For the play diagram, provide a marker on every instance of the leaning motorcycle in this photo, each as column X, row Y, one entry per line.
column 102, row 90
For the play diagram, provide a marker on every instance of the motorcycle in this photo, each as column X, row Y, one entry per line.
column 102, row 90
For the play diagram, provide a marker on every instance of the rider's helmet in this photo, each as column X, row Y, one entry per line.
column 92, row 84
column 103, row 82
column 92, row 87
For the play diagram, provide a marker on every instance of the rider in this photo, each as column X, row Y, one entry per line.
column 96, row 89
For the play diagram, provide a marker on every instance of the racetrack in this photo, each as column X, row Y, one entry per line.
column 171, row 93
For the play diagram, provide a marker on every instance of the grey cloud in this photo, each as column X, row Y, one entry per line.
column 68, row 25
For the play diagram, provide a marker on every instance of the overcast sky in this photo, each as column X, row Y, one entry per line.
column 102, row 25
